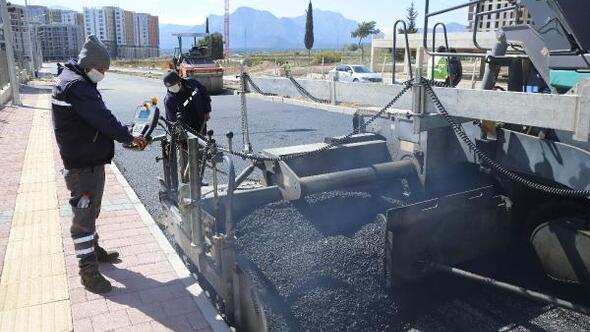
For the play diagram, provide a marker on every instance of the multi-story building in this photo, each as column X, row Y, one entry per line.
column 68, row 17
column 125, row 33
column 95, row 23
column 154, row 31
column 20, row 31
column 25, row 39
column 54, row 15
column 60, row 41
column 494, row 21
column 38, row 14
column 141, row 33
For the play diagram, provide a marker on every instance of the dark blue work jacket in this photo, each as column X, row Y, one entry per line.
column 84, row 128
column 194, row 112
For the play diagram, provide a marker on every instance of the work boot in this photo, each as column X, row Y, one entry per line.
column 104, row 256
column 94, row 282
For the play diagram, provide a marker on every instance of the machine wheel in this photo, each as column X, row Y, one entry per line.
column 356, row 80
column 559, row 235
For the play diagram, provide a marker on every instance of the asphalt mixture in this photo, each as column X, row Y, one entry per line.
column 319, row 265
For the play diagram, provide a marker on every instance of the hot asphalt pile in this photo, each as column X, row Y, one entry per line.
column 322, row 259
column 319, row 266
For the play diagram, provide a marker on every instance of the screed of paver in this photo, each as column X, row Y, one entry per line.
column 33, row 286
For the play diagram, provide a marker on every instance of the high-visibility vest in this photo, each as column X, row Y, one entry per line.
column 440, row 68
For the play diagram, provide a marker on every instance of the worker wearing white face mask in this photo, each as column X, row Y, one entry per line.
column 189, row 98
column 85, row 131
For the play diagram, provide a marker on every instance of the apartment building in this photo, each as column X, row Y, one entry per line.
column 38, row 14
column 125, row 33
column 25, row 39
column 494, row 21
column 60, row 32
column 60, row 41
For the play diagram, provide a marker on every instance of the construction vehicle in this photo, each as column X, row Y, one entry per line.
column 197, row 63
column 476, row 170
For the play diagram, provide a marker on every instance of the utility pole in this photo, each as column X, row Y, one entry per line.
column 30, row 40
column 226, row 17
column 7, row 27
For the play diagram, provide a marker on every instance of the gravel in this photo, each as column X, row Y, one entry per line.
column 319, row 263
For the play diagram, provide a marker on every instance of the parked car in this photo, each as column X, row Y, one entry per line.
column 355, row 73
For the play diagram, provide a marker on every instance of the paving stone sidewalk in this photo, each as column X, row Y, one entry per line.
column 40, row 287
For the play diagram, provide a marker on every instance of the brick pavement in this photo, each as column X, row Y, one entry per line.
column 153, row 291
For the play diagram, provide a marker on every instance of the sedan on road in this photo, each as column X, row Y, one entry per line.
column 356, row 74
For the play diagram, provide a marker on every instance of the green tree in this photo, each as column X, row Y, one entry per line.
column 309, row 39
column 215, row 44
column 411, row 16
column 364, row 30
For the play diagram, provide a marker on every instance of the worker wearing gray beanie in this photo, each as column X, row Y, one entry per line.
column 94, row 55
column 86, row 131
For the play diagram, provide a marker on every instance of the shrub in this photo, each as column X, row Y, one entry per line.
column 328, row 56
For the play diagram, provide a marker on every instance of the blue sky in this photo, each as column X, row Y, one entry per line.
column 191, row 12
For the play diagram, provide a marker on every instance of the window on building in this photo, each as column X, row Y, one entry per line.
column 487, row 25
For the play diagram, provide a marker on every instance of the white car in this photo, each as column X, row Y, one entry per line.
column 356, row 74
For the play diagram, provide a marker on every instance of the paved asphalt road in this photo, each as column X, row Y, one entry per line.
column 275, row 125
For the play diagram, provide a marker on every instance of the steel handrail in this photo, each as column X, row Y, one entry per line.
column 434, row 44
column 408, row 52
column 430, row 52
column 479, row 14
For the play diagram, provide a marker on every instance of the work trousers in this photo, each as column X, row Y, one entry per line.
column 89, row 181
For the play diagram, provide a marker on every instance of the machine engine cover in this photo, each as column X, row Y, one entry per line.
column 447, row 230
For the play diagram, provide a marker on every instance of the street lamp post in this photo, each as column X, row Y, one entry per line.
column 6, row 26
column 30, row 40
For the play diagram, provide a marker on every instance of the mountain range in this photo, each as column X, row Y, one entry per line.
column 258, row 29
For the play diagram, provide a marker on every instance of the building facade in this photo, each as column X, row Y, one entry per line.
column 38, row 14
column 126, row 34
column 494, row 21
column 26, row 43
column 60, row 41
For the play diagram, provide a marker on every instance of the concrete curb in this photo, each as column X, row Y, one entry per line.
column 303, row 103
column 210, row 314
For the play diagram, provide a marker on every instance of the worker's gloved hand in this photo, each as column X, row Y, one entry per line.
column 139, row 143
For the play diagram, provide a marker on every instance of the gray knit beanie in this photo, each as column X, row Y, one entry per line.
column 94, row 54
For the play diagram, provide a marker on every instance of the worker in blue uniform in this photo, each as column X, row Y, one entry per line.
column 85, row 131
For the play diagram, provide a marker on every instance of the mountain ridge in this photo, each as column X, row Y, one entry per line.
column 272, row 32
column 260, row 29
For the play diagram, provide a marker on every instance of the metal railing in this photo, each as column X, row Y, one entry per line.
column 428, row 15
column 408, row 53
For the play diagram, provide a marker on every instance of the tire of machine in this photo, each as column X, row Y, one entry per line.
column 563, row 249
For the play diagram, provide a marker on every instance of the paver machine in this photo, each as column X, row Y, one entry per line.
column 476, row 169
